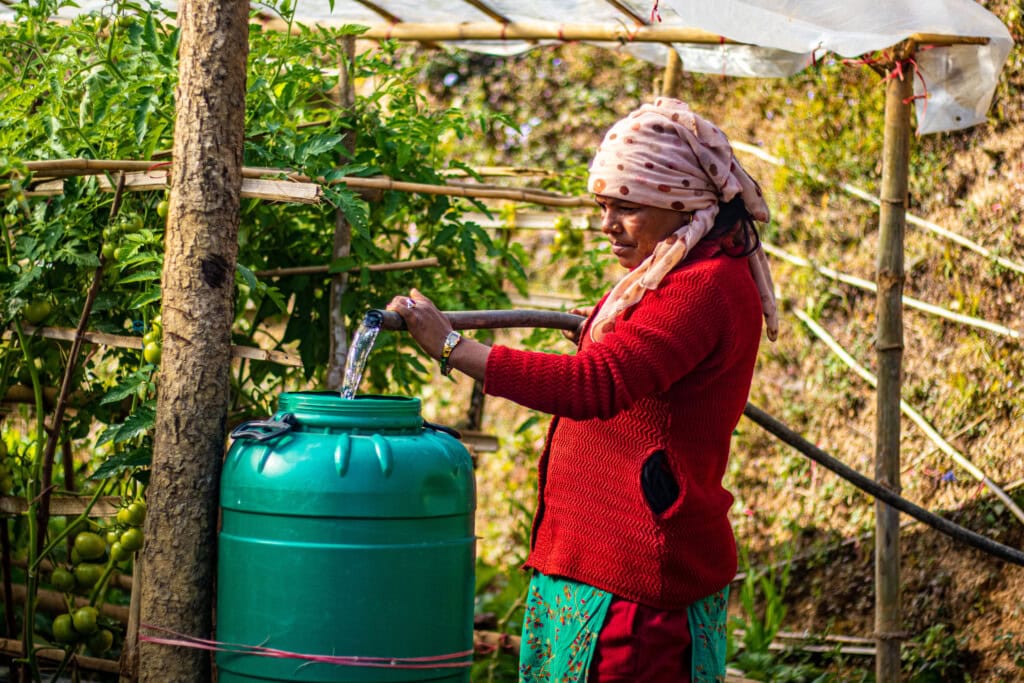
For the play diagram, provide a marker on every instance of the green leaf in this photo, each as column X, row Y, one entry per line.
column 128, row 387
column 139, row 422
column 122, row 462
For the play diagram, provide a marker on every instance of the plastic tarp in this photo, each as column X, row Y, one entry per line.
column 955, row 84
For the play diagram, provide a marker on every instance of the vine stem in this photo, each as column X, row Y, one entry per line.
column 33, row 490
column 69, row 372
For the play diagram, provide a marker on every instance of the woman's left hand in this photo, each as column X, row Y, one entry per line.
column 427, row 325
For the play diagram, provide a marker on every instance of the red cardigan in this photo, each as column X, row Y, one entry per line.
column 673, row 375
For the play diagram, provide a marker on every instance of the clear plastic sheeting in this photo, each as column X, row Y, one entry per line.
column 954, row 83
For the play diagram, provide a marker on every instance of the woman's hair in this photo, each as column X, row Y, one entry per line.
column 734, row 228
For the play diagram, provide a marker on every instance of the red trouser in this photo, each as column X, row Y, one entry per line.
column 641, row 644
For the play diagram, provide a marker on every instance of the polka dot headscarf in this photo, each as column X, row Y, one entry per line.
column 666, row 156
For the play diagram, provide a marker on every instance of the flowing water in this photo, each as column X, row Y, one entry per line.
column 358, row 351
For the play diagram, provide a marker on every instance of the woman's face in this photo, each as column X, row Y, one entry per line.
column 635, row 229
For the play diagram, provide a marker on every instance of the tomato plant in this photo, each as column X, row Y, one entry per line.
column 101, row 86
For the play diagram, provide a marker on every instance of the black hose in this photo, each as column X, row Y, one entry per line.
column 873, row 488
column 569, row 321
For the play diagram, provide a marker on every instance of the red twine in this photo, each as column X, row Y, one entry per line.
column 655, row 14
column 429, row 662
column 897, row 71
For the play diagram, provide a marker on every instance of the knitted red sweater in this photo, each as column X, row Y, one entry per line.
column 673, row 376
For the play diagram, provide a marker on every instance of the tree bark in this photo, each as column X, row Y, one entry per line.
column 178, row 560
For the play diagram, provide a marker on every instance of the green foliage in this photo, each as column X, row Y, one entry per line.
column 102, row 87
column 934, row 656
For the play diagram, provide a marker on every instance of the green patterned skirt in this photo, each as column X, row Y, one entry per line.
column 563, row 619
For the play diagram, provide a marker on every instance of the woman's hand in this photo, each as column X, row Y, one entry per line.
column 427, row 325
column 574, row 335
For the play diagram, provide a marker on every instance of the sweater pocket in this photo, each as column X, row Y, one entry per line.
column 657, row 482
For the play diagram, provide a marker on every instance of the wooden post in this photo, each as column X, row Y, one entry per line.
column 338, row 333
column 673, row 83
column 889, row 353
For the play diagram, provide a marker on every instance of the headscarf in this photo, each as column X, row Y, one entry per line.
column 666, row 156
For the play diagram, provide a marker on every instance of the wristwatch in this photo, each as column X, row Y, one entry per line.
column 450, row 342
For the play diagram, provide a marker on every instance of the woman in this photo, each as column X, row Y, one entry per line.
column 632, row 550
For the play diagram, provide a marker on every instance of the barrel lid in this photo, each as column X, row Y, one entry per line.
column 364, row 412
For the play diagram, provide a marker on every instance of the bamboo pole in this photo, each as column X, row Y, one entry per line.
column 54, row 654
column 916, row 417
column 672, row 84
column 855, row 191
column 59, row 168
column 373, row 268
column 124, row 342
column 620, row 33
column 889, row 353
column 909, row 302
column 73, row 506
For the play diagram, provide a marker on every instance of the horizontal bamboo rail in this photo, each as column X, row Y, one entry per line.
column 129, row 342
column 608, row 32
column 52, row 654
column 53, row 602
column 60, row 168
column 68, row 506
column 117, row 579
column 373, row 268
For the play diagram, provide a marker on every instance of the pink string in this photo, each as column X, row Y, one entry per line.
column 427, row 662
column 655, row 14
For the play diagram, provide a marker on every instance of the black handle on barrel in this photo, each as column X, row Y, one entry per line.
column 489, row 320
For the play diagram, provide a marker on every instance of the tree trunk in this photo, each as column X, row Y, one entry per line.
column 178, row 561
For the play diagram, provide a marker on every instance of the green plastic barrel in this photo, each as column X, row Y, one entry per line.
column 347, row 532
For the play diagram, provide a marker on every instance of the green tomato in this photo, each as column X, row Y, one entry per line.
column 62, row 580
column 84, row 619
column 113, row 536
column 87, row 574
column 136, row 513
column 107, row 251
column 162, row 207
column 90, row 546
column 118, row 552
column 152, row 353
column 122, row 518
column 64, row 630
column 101, row 641
column 37, row 311
column 131, row 540
column 151, row 337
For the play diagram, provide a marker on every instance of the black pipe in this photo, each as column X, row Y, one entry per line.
column 489, row 320
column 471, row 320
column 871, row 487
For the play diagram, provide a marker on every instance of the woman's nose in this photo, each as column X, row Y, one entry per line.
column 610, row 223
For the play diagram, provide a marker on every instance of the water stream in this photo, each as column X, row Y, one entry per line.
column 358, row 352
